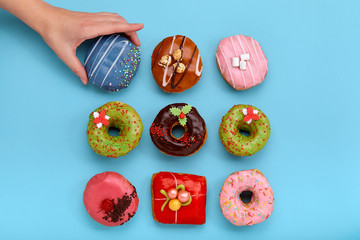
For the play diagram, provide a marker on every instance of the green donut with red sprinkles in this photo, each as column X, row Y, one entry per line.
column 114, row 115
column 244, row 118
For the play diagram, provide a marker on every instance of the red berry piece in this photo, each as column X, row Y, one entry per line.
column 182, row 115
column 107, row 205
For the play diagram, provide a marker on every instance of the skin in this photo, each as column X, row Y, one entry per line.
column 64, row 30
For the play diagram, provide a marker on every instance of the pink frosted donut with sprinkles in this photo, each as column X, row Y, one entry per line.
column 241, row 62
column 246, row 198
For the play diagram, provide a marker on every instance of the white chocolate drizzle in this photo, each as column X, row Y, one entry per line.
column 197, row 72
column 243, row 50
column 164, row 82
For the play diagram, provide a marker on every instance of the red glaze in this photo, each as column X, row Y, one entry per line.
column 194, row 213
column 110, row 199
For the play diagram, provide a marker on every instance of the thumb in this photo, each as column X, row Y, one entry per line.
column 72, row 61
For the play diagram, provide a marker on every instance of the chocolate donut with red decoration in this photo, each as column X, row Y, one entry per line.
column 186, row 116
column 176, row 64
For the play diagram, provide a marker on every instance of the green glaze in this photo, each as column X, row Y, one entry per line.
column 123, row 117
column 238, row 144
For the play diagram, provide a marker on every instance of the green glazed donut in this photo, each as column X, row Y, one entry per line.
column 118, row 115
column 248, row 119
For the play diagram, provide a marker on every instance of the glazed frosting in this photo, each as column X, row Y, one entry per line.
column 249, row 119
column 118, row 115
column 166, row 76
column 193, row 138
column 262, row 201
column 256, row 67
column 193, row 212
column 112, row 62
column 114, row 188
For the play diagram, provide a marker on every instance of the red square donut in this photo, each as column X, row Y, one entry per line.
column 188, row 213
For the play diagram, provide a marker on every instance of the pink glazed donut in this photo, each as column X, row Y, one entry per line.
column 241, row 61
column 232, row 198
column 110, row 199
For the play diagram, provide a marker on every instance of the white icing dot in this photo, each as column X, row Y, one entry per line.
column 99, row 125
column 255, row 111
column 107, row 117
column 96, row 114
column 248, row 122
column 244, row 111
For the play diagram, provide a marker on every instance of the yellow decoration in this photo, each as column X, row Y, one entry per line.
column 174, row 204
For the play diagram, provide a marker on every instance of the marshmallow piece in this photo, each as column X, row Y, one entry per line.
column 235, row 62
column 245, row 57
column 242, row 65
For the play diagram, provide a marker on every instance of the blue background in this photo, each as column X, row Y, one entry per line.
column 310, row 95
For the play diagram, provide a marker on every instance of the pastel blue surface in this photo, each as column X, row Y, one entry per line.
column 112, row 62
column 311, row 96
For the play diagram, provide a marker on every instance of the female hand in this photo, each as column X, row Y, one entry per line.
column 64, row 30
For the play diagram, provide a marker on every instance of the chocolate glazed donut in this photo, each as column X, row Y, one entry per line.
column 173, row 115
column 176, row 64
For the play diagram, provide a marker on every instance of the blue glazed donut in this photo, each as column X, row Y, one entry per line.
column 112, row 62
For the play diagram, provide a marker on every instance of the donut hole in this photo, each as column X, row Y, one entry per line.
column 244, row 130
column 246, row 196
column 178, row 131
column 114, row 131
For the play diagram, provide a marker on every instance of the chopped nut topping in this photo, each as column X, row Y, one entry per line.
column 177, row 55
column 165, row 60
column 180, row 68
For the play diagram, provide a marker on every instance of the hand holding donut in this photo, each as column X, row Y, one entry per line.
column 64, row 30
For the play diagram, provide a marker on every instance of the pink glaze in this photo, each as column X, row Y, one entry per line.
column 114, row 187
column 258, row 209
column 257, row 66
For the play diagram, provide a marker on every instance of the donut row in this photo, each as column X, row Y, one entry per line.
column 246, row 198
column 244, row 130
column 113, row 60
